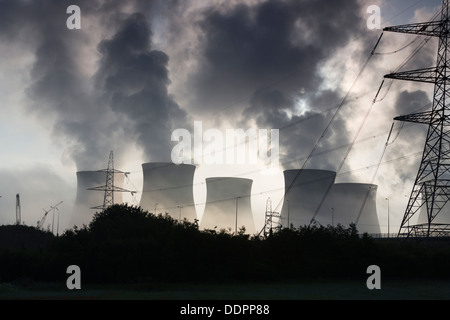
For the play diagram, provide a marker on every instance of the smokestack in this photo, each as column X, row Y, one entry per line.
column 86, row 199
column 344, row 204
column 224, row 197
column 169, row 188
column 309, row 187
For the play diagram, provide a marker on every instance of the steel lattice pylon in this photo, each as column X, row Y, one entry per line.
column 432, row 185
column 271, row 225
column 109, row 188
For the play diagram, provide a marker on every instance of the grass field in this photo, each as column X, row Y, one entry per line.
column 307, row 290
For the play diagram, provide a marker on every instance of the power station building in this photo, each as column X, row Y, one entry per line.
column 228, row 204
column 168, row 188
column 313, row 195
column 310, row 195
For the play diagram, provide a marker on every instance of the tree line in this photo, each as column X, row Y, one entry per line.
column 127, row 244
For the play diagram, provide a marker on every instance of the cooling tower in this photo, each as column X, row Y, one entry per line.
column 344, row 203
column 442, row 217
column 309, row 187
column 223, row 196
column 169, row 187
column 82, row 214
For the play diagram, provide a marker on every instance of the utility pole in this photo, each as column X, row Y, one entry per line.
column 53, row 220
column 18, row 210
column 40, row 223
column 57, row 228
column 235, row 227
column 432, row 184
column 289, row 225
column 269, row 225
column 388, row 216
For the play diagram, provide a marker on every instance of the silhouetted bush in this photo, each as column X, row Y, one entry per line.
column 125, row 243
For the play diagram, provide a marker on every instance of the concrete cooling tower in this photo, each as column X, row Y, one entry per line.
column 442, row 217
column 82, row 214
column 309, row 187
column 344, row 203
column 169, row 187
column 222, row 195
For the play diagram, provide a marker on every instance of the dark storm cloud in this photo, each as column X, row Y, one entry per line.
column 58, row 91
column 408, row 138
column 278, row 43
column 273, row 52
column 130, row 99
column 412, row 102
column 134, row 80
column 299, row 133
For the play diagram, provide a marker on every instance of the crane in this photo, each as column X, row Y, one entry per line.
column 52, row 208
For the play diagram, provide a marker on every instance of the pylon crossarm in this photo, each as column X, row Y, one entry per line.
column 119, row 189
column 428, row 75
column 113, row 188
column 99, row 188
column 431, row 29
column 112, row 171
column 97, row 207
column 420, row 117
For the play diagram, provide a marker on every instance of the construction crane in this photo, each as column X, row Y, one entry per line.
column 52, row 208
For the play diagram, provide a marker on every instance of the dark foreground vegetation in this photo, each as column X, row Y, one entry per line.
column 126, row 244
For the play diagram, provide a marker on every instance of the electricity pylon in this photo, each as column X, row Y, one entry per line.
column 432, row 185
column 270, row 225
column 109, row 188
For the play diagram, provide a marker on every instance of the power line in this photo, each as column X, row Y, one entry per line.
column 286, row 162
column 415, row 154
column 339, row 106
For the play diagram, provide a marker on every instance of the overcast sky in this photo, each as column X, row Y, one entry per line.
column 137, row 70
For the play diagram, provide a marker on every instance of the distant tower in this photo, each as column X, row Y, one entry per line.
column 168, row 188
column 305, row 189
column 109, row 188
column 18, row 213
column 228, row 204
column 270, row 225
